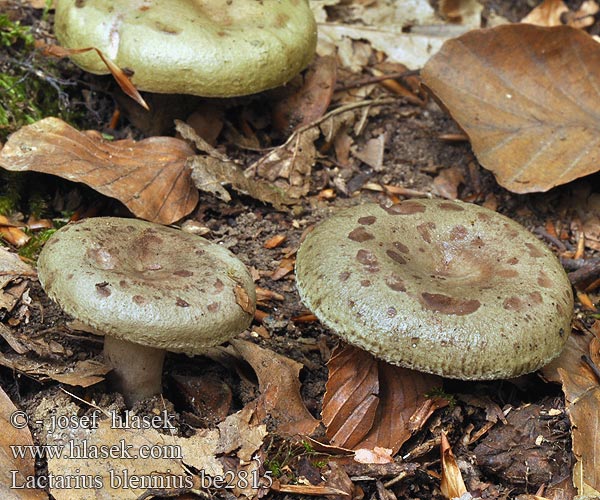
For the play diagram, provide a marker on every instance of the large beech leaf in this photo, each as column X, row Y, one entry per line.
column 369, row 403
column 149, row 176
column 528, row 97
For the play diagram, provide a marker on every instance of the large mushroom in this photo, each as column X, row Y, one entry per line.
column 149, row 289
column 442, row 287
column 210, row 48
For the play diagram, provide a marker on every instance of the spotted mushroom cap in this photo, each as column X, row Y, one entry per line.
column 148, row 284
column 442, row 287
column 212, row 48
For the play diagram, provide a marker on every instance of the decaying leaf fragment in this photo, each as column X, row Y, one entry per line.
column 279, row 385
column 452, row 484
column 212, row 169
column 149, row 176
column 582, row 394
column 527, row 97
column 25, row 467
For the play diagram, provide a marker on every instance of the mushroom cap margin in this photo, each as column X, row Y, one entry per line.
column 148, row 284
column 204, row 48
column 442, row 287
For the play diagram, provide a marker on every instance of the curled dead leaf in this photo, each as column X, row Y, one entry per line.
column 527, row 97
column 118, row 74
column 149, row 176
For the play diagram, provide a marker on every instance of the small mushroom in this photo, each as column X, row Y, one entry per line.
column 210, row 48
column 442, row 287
column 149, row 289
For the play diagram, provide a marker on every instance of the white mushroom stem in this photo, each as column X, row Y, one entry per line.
column 136, row 369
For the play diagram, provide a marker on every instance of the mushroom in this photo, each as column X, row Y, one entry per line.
column 442, row 287
column 209, row 48
column 149, row 289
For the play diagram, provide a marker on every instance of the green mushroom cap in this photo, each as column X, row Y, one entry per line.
column 442, row 287
column 211, row 48
column 148, row 284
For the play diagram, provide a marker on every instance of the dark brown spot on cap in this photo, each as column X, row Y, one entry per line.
column 181, row 303
column 367, row 220
column 405, row 208
column 395, row 256
column 219, row 285
column 183, row 273
column 139, row 300
column 366, row 257
column 535, row 297
column 360, row 234
column 123, row 284
column 401, row 247
column 102, row 289
column 451, row 206
column 214, row 307
column 543, row 280
column 507, row 273
column 395, row 283
column 458, row 233
column 512, row 261
column 344, row 276
column 483, row 216
column 365, row 283
column 424, row 230
column 512, row 303
column 449, row 305
column 534, row 251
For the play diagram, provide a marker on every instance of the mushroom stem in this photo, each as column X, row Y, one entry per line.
column 136, row 369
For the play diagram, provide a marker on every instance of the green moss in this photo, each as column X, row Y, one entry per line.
column 31, row 87
column 11, row 32
column 34, row 246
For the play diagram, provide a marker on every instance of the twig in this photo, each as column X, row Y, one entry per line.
column 540, row 231
column 593, row 366
column 376, row 79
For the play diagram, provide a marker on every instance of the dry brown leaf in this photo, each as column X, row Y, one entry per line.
column 576, row 346
column 115, row 473
column 556, row 13
column 402, row 396
column 372, row 152
column 84, row 373
column 548, row 13
column 288, row 167
column 149, row 177
column 452, row 484
column 466, row 12
column 582, row 394
column 279, row 386
column 351, row 396
column 369, row 403
column 377, row 455
column 446, row 183
column 533, row 129
column 237, row 433
column 311, row 100
column 11, row 266
column 13, row 485
column 118, row 74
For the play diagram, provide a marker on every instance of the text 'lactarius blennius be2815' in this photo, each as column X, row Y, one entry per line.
column 149, row 289
column 442, row 287
column 210, row 48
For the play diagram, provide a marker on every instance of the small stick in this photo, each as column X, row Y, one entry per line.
column 593, row 366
